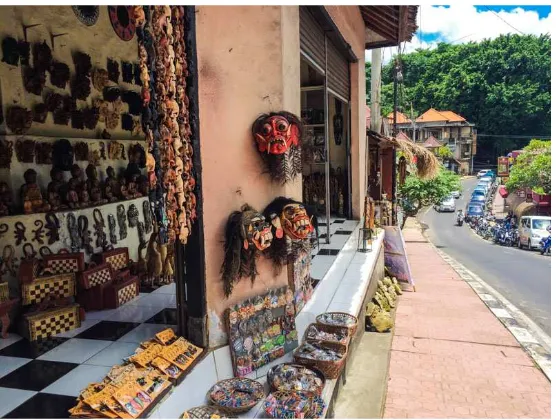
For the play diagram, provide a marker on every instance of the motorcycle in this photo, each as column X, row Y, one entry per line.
column 545, row 245
column 460, row 219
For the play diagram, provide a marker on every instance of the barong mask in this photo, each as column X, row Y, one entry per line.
column 278, row 136
column 247, row 233
column 293, row 226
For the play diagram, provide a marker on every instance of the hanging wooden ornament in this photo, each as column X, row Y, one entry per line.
column 123, row 22
column 87, row 15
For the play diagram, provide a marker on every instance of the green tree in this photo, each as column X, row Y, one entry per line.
column 444, row 152
column 532, row 168
column 417, row 193
column 502, row 85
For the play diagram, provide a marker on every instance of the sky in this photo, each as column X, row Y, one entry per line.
column 460, row 23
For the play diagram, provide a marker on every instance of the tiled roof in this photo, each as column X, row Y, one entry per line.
column 402, row 136
column 401, row 118
column 431, row 142
column 432, row 115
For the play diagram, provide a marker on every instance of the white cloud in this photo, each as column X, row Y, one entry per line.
column 464, row 23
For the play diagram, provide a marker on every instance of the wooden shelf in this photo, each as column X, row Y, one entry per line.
column 311, row 88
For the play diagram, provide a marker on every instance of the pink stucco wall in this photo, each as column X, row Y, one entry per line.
column 248, row 59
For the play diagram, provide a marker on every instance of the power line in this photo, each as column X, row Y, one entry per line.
column 500, row 17
column 513, row 136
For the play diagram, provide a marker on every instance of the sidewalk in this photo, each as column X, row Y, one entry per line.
column 451, row 357
column 498, row 204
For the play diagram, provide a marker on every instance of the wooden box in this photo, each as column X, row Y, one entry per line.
column 92, row 299
column 118, row 258
column 44, row 324
column 64, row 262
column 95, row 276
column 116, row 294
column 4, row 291
column 28, row 270
column 48, row 288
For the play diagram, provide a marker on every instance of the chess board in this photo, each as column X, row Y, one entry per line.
column 44, row 324
column 51, row 287
column 118, row 258
column 95, row 276
column 64, row 263
column 116, row 295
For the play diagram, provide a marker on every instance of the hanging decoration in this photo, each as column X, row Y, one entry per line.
column 292, row 229
column 247, row 234
column 122, row 21
column 278, row 136
column 87, row 15
column 165, row 119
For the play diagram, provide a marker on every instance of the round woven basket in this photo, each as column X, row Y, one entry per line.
column 331, row 329
column 275, row 405
column 301, row 368
column 339, row 315
column 206, row 412
column 235, row 387
column 330, row 368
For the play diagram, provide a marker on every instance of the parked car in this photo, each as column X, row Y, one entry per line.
column 477, row 203
column 478, row 197
column 491, row 174
column 482, row 173
column 456, row 194
column 532, row 229
column 478, row 191
column 486, row 179
column 448, row 204
column 473, row 210
column 481, row 187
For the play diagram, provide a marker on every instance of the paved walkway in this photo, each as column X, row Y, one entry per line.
column 451, row 357
column 498, row 204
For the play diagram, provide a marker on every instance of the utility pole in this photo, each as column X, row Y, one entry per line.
column 376, row 69
column 397, row 76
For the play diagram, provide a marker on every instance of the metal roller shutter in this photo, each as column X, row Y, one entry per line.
column 311, row 37
column 337, row 71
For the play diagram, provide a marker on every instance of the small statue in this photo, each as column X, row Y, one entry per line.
column 72, row 197
column 5, row 199
column 143, row 185
column 93, row 186
column 77, row 175
column 132, row 187
column 84, row 199
column 111, row 186
column 55, row 190
column 124, row 194
column 31, row 194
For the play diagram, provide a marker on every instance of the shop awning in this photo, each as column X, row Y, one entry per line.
column 503, row 191
column 388, row 26
column 524, row 209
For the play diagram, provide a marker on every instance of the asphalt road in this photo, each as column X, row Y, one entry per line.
column 522, row 277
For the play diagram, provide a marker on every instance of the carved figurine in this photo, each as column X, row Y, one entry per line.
column 72, row 196
column 124, row 194
column 111, row 187
column 5, row 199
column 132, row 187
column 93, row 186
column 55, row 190
column 31, row 195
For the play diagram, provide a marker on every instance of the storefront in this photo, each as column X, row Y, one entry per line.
column 171, row 98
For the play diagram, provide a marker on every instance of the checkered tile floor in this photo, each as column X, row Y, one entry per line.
column 325, row 254
column 42, row 379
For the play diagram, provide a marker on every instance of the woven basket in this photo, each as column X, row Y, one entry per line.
column 331, row 369
column 314, row 411
column 270, row 375
column 4, row 291
column 331, row 329
column 206, row 412
column 352, row 328
column 230, row 384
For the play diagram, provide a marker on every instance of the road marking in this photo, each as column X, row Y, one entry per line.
column 528, row 334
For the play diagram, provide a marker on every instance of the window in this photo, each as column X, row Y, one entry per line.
column 541, row 224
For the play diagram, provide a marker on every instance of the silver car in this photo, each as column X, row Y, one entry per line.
column 448, row 204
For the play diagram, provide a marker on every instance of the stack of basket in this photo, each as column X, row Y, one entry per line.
column 328, row 337
column 47, row 295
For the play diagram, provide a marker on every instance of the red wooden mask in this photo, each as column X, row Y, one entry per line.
column 275, row 133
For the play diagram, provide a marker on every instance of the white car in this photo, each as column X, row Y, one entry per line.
column 486, row 180
column 456, row 194
column 482, row 173
column 532, row 229
column 448, row 204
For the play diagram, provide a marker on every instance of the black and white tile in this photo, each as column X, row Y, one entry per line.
column 42, row 379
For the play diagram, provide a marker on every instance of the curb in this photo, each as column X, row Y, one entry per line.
column 531, row 338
